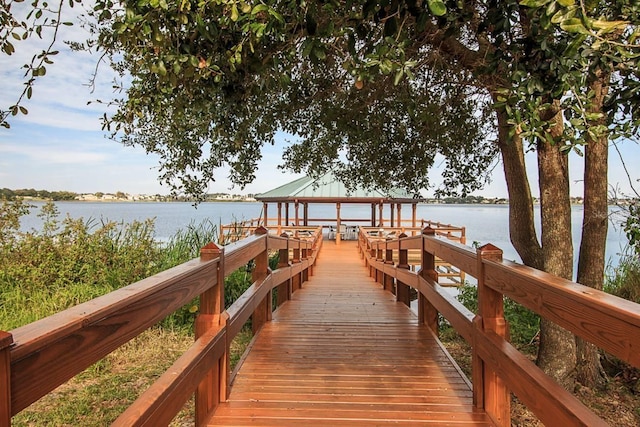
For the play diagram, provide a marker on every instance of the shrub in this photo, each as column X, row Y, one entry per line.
column 624, row 280
column 523, row 323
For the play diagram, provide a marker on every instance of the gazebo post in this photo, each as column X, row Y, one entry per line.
column 392, row 214
column 306, row 213
column 265, row 207
column 381, row 210
column 373, row 214
column 279, row 218
column 338, row 223
column 296, row 204
column 286, row 213
column 399, row 207
column 414, row 208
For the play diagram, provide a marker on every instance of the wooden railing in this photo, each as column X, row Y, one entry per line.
column 611, row 323
column 36, row 358
column 448, row 274
column 238, row 230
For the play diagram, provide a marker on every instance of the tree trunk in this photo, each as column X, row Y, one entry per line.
column 591, row 261
column 522, row 230
column 557, row 351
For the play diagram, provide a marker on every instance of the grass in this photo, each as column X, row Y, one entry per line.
column 74, row 260
column 101, row 393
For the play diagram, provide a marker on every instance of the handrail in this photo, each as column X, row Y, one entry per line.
column 609, row 322
column 36, row 358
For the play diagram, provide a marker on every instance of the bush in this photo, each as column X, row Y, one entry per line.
column 524, row 324
column 624, row 280
column 69, row 262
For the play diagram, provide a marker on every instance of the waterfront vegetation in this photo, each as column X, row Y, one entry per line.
column 74, row 260
column 70, row 261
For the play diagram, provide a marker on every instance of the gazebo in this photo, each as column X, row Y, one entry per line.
column 329, row 190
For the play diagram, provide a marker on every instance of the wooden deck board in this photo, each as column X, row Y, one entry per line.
column 344, row 353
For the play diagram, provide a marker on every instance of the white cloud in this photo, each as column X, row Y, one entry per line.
column 53, row 154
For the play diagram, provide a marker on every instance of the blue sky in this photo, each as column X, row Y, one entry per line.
column 59, row 145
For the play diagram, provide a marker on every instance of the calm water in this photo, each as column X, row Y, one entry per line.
column 484, row 223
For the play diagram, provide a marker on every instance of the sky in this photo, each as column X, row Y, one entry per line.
column 59, row 144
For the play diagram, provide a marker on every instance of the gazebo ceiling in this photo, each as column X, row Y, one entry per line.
column 328, row 189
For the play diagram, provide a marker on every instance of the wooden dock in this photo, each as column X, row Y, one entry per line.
column 343, row 352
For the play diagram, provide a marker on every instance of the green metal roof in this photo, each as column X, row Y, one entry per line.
column 328, row 188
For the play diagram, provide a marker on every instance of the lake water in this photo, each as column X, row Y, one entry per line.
column 484, row 223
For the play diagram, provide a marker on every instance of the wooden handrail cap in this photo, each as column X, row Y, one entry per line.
column 261, row 231
column 429, row 231
column 490, row 251
column 210, row 251
column 6, row 339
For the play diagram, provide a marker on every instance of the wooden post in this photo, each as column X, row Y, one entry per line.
column 372, row 253
column 284, row 289
column 380, row 258
column 414, row 208
column 306, row 213
column 427, row 313
column 262, row 313
column 297, row 216
column 213, row 387
column 338, row 237
column 279, row 217
column 387, row 284
column 402, row 289
column 286, row 213
column 399, row 207
column 495, row 396
column 373, row 214
column 297, row 279
column 265, row 207
column 6, row 340
column 381, row 211
column 304, row 255
column 391, row 214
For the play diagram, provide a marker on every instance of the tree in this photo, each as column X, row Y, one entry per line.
column 19, row 22
column 362, row 83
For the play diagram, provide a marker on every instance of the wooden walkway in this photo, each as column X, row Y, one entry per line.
column 344, row 353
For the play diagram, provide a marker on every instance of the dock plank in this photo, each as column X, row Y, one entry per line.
column 343, row 352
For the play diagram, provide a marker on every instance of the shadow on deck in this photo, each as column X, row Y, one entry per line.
column 344, row 352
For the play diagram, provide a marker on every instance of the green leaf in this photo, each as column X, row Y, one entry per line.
column 533, row 3
column 234, row 13
column 398, row 76
column 604, row 26
column 276, row 15
column 574, row 25
column 593, row 116
column 259, row 8
column 564, row 14
column 567, row 3
column 437, row 7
